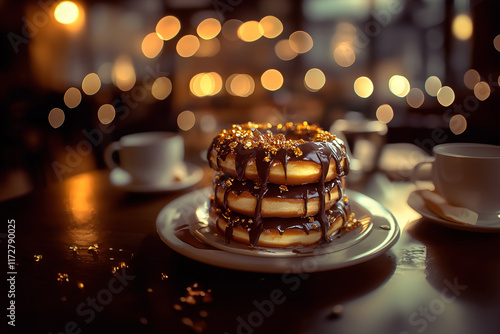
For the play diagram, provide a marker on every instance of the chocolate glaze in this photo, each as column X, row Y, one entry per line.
column 281, row 143
column 305, row 192
column 305, row 224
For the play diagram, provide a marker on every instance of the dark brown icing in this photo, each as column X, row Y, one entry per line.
column 267, row 144
column 306, row 192
column 306, row 224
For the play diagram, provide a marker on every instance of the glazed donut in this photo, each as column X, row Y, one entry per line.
column 279, row 201
column 278, row 232
column 289, row 154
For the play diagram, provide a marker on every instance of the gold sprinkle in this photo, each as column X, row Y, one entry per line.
column 267, row 159
column 93, row 249
column 203, row 314
column 37, row 258
column 283, row 188
column 177, row 307
column 150, row 290
column 80, row 285
column 163, row 276
column 62, row 277
column 311, row 219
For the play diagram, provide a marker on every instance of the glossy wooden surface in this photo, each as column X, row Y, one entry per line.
column 434, row 280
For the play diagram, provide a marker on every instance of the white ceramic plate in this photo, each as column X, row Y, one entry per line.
column 417, row 203
column 122, row 180
column 180, row 214
column 205, row 230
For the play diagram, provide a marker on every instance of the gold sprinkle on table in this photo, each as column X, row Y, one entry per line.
column 62, row 277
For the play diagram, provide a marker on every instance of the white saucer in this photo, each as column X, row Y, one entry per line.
column 180, row 214
column 417, row 203
column 122, row 180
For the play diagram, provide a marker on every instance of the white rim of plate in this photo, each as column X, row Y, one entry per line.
column 181, row 212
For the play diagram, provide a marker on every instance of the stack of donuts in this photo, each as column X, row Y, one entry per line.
column 278, row 185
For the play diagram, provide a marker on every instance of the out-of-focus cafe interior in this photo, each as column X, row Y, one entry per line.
column 77, row 75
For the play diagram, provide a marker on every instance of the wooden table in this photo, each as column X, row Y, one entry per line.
column 433, row 280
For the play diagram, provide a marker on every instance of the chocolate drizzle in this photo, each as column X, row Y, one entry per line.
column 304, row 191
column 305, row 224
column 267, row 145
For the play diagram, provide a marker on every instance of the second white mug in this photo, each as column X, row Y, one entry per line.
column 467, row 175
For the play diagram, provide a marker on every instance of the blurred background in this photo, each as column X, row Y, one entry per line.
column 77, row 75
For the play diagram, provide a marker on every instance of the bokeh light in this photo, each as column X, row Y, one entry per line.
column 384, row 113
column 300, row 41
column 471, row 78
column 161, row 89
column 208, row 28
column 72, row 97
column 123, row 74
column 56, row 117
column 284, row 51
column 91, row 84
column 168, row 27
column 482, row 90
column 432, row 85
column 250, row 31
column 496, row 42
column 344, row 55
column 399, row 85
column 152, row 45
column 458, row 124
column 446, row 96
column 314, row 79
column 241, row 85
column 272, row 79
column 66, row 12
column 462, row 27
column 415, row 98
column 271, row 26
column 106, row 114
column 363, row 87
column 230, row 29
column 186, row 120
column 187, row 46
column 205, row 84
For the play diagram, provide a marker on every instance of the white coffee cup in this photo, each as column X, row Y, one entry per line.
column 149, row 157
column 467, row 175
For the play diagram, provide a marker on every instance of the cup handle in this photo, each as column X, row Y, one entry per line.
column 108, row 154
column 414, row 177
